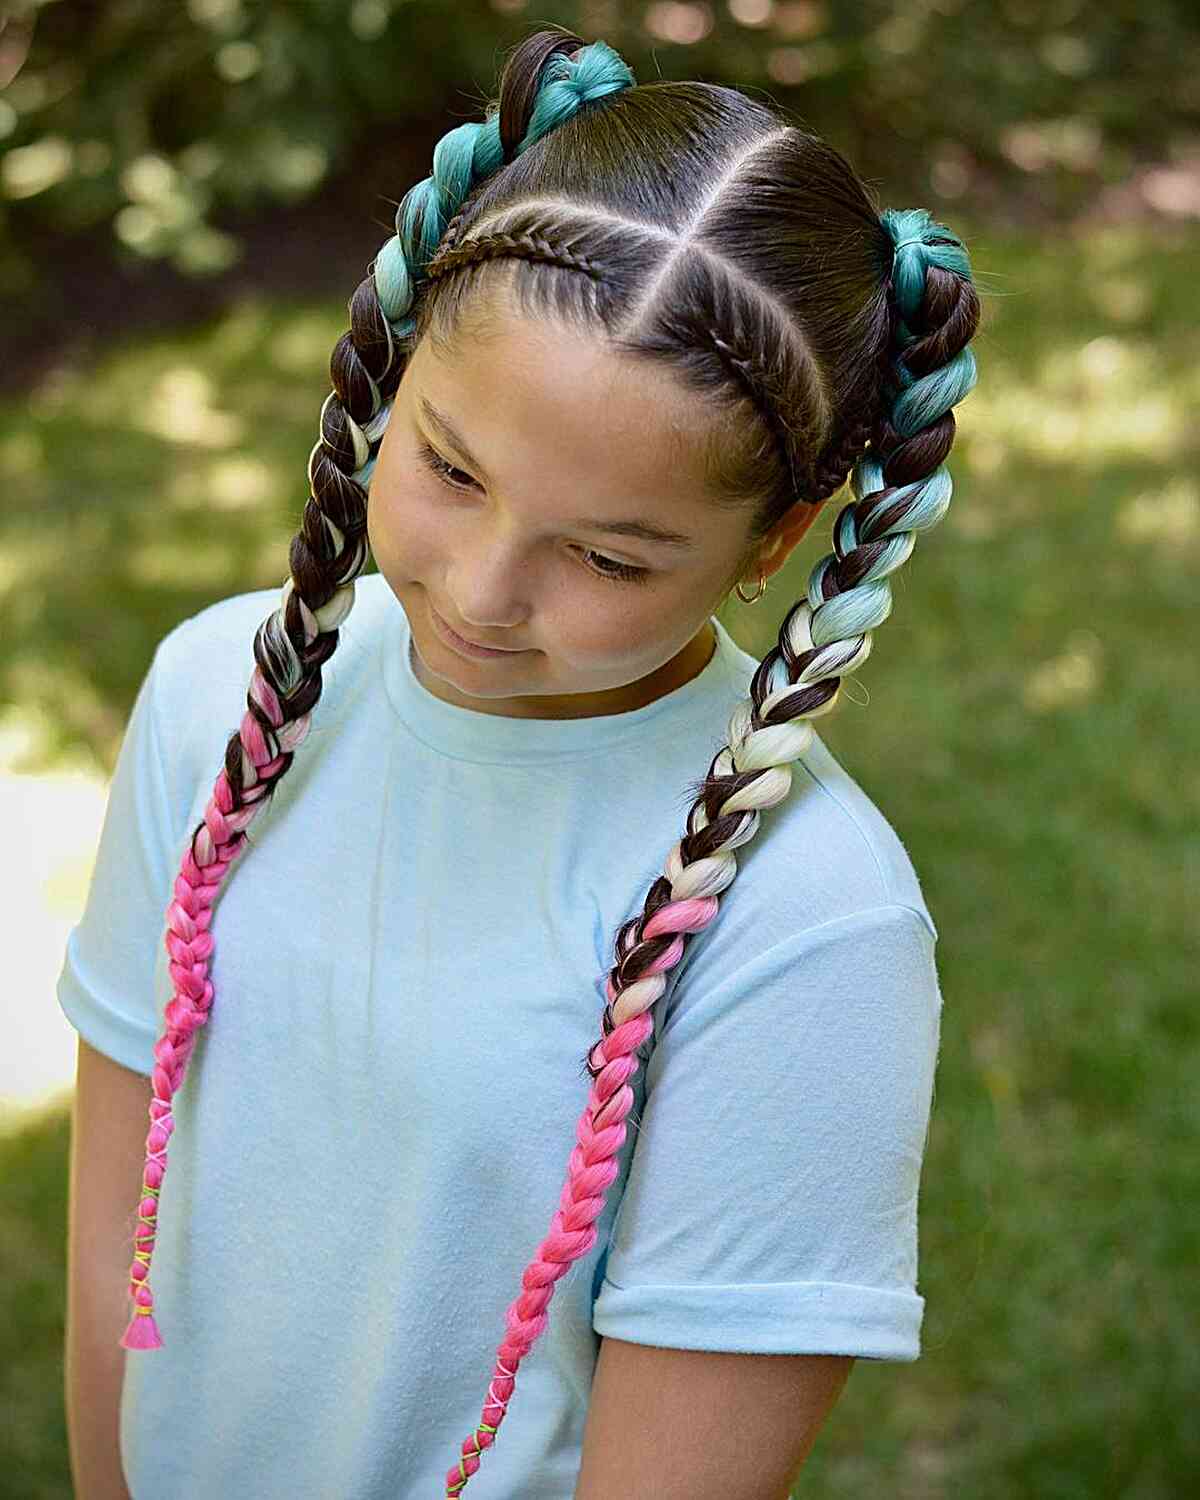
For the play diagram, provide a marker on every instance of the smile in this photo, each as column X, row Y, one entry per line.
column 464, row 647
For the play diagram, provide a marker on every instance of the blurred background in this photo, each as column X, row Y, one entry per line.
column 190, row 193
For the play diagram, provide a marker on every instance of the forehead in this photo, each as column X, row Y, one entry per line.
column 534, row 401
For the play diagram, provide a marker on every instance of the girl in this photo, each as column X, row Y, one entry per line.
column 626, row 342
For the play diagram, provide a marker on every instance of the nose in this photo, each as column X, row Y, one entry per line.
column 486, row 589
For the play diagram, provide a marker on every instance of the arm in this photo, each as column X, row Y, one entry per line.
column 691, row 1424
column 109, row 1124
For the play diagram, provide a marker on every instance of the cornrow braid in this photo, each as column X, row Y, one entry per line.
column 821, row 480
column 891, row 427
column 754, row 381
column 498, row 245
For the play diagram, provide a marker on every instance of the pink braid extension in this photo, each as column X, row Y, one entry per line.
column 218, row 842
column 592, row 1167
column 601, row 1132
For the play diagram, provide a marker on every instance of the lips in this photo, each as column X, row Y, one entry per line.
column 483, row 645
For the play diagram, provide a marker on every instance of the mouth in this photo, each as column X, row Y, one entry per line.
column 461, row 642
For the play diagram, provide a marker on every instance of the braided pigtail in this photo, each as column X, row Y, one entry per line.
column 326, row 555
column 901, row 488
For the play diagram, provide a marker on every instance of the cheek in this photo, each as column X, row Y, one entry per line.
column 395, row 531
column 623, row 633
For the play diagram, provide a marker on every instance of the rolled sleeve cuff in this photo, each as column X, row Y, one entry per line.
column 788, row 1317
column 110, row 1031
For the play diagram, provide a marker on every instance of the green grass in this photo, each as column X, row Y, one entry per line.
column 1030, row 734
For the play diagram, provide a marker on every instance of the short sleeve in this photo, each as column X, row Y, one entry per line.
column 112, row 986
column 771, row 1200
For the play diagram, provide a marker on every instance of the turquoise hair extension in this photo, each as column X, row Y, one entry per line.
column 923, row 401
column 462, row 158
column 595, row 73
column 916, row 403
column 472, row 152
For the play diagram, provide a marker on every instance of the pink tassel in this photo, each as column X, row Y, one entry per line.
column 142, row 1333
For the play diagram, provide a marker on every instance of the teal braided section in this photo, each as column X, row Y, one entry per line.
column 472, row 152
column 921, row 402
column 916, row 403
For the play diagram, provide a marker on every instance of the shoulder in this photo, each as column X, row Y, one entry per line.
column 221, row 635
column 826, row 852
column 859, row 855
column 202, row 668
column 826, row 904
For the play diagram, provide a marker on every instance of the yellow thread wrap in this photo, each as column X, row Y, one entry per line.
column 483, row 1427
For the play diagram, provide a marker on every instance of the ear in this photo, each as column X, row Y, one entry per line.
column 786, row 534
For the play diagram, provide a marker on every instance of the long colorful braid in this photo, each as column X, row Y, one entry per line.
column 893, row 448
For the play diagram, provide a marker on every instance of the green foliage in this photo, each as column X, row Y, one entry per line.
column 33, row 1229
column 151, row 126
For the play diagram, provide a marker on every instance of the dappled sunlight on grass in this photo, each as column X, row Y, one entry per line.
column 303, row 346
column 52, row 822
column 238, row 483
column 158, row 563
column 1168, row 518
column 1025, row 720
column 1101, row 400
column 1121, row 299
column 179, row 407
column 1069, row 678
column 172, row 473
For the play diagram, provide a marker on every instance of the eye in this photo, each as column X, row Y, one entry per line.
column 621, row 572
column 441, row 468
column 617, row 572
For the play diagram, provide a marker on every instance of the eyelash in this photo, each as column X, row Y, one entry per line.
column 620, row 573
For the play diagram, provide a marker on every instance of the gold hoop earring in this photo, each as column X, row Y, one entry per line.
column 762, row 588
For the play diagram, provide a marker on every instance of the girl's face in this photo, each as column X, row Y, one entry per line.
column 505, row 533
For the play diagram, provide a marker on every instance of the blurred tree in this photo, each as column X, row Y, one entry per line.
column 160, row 133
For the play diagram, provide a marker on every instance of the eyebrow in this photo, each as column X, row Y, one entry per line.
column 642, row 530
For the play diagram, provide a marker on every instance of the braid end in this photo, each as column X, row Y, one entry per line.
column 142, row 1332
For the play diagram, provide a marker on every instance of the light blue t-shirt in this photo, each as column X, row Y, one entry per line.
column 374, row 1130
